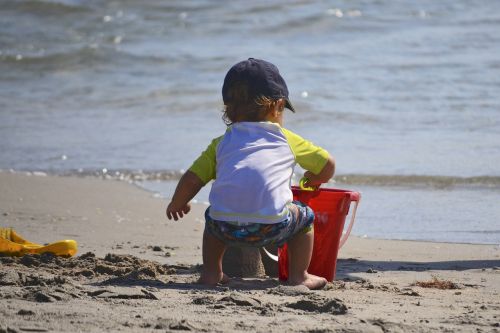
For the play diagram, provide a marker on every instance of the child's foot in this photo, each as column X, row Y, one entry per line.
column 310, row 281
column 213, row 280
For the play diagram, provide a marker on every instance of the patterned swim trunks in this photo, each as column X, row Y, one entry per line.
column 300, row 219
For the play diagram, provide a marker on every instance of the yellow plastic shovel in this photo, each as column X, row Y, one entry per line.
column 13, row 244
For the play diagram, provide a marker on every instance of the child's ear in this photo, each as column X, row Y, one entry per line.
column 272, row 113
column 278, row 108
column 280, row 104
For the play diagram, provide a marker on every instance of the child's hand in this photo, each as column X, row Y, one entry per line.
column 323, row 176
column 311, row 180
column 304, row 185
column 188, row 186
column 175, row 212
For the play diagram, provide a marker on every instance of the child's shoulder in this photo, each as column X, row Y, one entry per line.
column 291, row 136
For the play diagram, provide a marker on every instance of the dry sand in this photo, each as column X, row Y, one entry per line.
column 134, row 272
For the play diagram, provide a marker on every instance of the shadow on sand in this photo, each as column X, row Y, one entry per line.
column 348, row 266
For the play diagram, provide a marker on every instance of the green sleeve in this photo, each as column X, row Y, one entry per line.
column 205, row 165
column 307, row 155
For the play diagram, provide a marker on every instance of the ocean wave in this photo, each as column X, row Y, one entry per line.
column 83, row 56
column 45, row 7
column 441, row 182
column 477, row 231
column 418, row 180
column 90, row 55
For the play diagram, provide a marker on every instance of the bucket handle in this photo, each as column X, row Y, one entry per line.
column 354, row 196
column 270, row 255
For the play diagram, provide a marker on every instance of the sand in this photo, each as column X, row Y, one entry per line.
column 135, row 272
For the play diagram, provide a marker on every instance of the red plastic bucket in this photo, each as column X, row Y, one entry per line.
column 331, row 207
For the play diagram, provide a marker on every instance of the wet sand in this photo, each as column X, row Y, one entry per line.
column 135, row 272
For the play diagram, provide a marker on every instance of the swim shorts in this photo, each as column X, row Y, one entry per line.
column 299, row 220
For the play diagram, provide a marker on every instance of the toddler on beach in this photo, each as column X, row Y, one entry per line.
column 252, row 165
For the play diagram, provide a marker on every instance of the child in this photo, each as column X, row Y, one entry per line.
column 252, row 165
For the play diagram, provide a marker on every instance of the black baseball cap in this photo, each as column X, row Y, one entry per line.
column 262, row 79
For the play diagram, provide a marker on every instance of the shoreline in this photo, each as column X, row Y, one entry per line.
column 135, row 271
column 156, row 194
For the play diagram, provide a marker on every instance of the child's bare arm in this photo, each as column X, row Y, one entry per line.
column 189, row 185
column 323, row 176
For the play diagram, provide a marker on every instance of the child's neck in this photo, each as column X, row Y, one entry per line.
column 275, row 117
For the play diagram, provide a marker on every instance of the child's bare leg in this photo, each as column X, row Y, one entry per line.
column 213, row 251
column 299, row 252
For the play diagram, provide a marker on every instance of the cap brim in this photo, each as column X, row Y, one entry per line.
column 289, row 105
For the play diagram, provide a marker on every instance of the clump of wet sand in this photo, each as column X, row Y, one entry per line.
column 87, row 265
column 48, row 278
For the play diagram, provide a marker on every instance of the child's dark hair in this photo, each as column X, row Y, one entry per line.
column 240, row 107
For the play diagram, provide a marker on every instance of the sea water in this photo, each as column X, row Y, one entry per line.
column 404, row 94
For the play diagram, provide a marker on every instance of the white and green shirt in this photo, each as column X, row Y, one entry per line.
column 252, row 164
